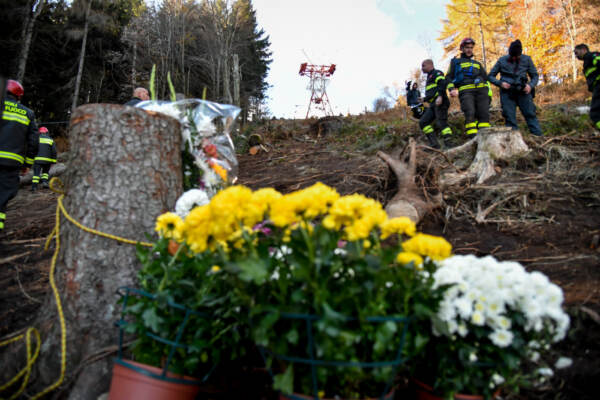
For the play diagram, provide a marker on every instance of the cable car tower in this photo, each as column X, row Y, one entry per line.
column 319, row 76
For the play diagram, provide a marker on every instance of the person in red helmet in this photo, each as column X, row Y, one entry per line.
column 468, row 80
column 18, row 144
column 46, row 156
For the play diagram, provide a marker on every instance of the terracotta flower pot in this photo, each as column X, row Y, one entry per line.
column 129, row 383
column 296, row 396
column 425, row 392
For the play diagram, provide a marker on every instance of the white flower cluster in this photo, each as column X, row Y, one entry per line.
column 190, row 199
column 485, row 291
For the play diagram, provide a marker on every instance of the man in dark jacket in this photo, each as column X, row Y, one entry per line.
column 518, row 78
column 591, row 70
column 46, row 156
column 18, row 144
column 413, row 99
column 468, row 81
column 435, row 95
column 139, row 94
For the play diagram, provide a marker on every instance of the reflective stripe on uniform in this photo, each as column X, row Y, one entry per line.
column 47, row 141
column 589, row 71
column 35, row 179
column 598, row 124
column 431, row 86
column 471, row 125
column 471, row 131
column 1, row 224
column 2, row 216
column 469, row 64
column 472, row 86
column 428, row 129
column 483, row 125
column 450, row 86
column 12, row 156
column 52, row 160
column 438, row 78
column 29, row 160
column 45, row 176
column 447, row 131
column 11, row 116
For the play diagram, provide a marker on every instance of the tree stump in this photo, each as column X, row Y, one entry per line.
column 493, row 144
column 123, row 171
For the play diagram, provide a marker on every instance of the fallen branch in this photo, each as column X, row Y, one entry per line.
column 15, row 257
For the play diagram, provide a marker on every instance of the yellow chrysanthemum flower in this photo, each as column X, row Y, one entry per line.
column 434, row 247
column 400, row 225
column 169, row 225
column 215, row 268
column 357, row 214
column 196, row 227
column 405, row 258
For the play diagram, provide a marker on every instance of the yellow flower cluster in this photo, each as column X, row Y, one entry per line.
column 237, row 209
column 357, row 214
column 400, row 225
column 434, row 247
column 306, row 203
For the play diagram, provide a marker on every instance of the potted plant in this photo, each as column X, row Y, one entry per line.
column 328, row 302
column 494, row 323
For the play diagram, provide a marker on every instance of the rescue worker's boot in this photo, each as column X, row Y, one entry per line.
column 33, row 187
column 448, row 141
column 45, row 185
column 432, row 140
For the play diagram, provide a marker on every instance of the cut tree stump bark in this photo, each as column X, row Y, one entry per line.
column 493, row 144
column 408, row 200
column 123, row 171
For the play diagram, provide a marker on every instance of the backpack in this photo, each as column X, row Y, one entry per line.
column 460, row 72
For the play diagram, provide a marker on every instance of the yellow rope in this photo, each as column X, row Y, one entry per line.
column 63, row 328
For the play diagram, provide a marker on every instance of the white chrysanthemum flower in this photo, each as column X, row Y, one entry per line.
column 190, row 199
column 501, row 337
column 340, row 252
column 534, row 356
column 502, row 322
column 477, row 318
column 497, row 379
column 563, row 362
column 462, row 329
column 464, row 307
column 545, row 372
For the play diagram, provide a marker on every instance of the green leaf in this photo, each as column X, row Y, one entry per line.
column 171, row 87
column 285, row 381
column 253, row 270
column 151, row 319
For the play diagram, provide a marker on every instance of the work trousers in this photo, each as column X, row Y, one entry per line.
column 595, row 106
column 475, row 105
column 439, row 114
column 510, row 101
column 40, row 170
column 9, row 186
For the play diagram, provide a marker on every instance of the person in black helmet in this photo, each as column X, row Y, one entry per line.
column 518, row 78
column 18, row 144
column 591, row 71
column 468, row 81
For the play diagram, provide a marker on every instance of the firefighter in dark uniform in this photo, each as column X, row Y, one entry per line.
column 43, row 161
column 591, row 70
column 468, row 81
column 435, row 95
column 18, row 144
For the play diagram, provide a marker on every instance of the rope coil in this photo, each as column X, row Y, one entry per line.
column 56, row 186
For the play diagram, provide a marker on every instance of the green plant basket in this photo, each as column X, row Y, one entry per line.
column 126, row 293
column 315, row 363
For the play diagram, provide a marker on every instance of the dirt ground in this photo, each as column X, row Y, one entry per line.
column 551, row 224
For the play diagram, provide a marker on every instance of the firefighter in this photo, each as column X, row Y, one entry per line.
column 435, row 95
column 591, row 70
column 18, row 144
column 43, row 161
column 468, row 81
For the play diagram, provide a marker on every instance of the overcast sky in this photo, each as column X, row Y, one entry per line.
column 374, row 43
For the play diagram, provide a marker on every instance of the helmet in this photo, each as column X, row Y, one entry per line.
column 43, row 129
column 15, row 88
column 466, row 41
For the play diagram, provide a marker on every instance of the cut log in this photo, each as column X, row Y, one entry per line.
column 493, row 144
column 123, row 171
column 408, row 200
